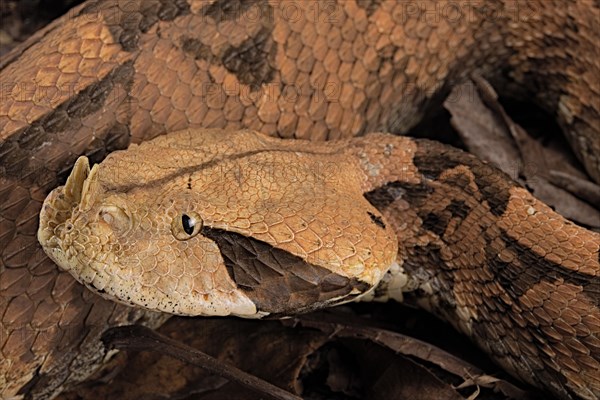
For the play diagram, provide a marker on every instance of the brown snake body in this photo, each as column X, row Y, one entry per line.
column 110, row 73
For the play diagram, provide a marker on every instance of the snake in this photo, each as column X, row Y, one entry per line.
column 472, row 246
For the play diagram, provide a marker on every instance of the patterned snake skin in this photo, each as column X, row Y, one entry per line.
column 110, row 73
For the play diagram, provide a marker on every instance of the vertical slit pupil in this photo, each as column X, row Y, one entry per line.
column 188, row 224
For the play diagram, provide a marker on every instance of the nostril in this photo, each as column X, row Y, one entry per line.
column 68, row 226
column 115, row 217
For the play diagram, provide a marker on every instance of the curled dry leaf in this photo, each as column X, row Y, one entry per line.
column 423, row 354
column 490, row 133
column 328, row 355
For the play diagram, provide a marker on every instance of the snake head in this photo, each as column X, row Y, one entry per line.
column 206, row 223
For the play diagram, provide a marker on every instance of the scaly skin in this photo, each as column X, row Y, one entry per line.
column 110, row 74
column 218, row 222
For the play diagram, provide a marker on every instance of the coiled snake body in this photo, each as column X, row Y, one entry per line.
column 479, row 250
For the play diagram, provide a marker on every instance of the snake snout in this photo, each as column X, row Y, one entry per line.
column 59, row 204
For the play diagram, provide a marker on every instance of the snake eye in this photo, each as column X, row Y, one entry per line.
column 188, row 224
column 185, row 226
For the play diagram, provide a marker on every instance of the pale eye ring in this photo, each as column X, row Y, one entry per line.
column 186, row 225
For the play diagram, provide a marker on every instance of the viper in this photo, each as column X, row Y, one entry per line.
column 476, row 248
